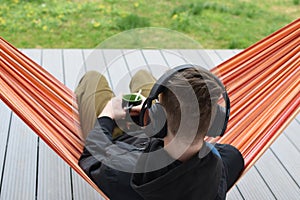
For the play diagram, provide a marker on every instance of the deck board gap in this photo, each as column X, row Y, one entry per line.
column 284, row 167
column 263, row 179
column 84, row 63
column 164, row 58
column 37, row 168
column 298, row 121
column 207, row 65
column 241, row 194
column 293, row 143
column 63, row 67
column 71, row 184
column 107, row 71
column 126, row 63
column 5, row 153
column 146, row 61
column 38, row 146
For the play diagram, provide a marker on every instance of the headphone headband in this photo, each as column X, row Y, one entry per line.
column 159, row 87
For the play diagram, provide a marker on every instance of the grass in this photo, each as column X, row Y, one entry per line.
column 216, row 24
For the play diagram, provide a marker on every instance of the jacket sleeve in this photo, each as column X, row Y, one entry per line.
column 97, row 142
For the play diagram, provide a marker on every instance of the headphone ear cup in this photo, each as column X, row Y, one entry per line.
column 157, row 126
column 217, row 127
column 144, row 114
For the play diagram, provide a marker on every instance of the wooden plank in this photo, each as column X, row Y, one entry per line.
column 194, row 57
column 5, row 117
column 252, row 186
column 292, row 132
column 173, row 57
column 19, row 178
column 234, row 194
column 94, row 61
column 73, row 64
column 54, row 181
column 155, row 61
column 134, row 61
column 73, row 59
column 208, row 57
column 119, row 73
column 81, row 190
column 277, row 178
column 19, row 174
column 225, row 54
column 213, row 58
column 289, row 156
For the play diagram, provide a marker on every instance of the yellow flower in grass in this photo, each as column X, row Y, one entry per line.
column 36, row 22
column 30, row 13
column 108, row 10
column 101, row 7
column 60, row 16
column 174, row 16
column 45, row 28
column 136, row 4
column 2, row 21
column 96, row 24
column 123, row 14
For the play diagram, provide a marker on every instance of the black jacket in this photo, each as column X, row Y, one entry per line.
column 125, row 169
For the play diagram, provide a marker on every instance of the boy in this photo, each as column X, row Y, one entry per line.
column 179, row 165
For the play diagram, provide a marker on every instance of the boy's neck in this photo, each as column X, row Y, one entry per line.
column 181, row 150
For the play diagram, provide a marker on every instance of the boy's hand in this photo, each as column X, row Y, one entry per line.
column 135, row 110
column 113, row 109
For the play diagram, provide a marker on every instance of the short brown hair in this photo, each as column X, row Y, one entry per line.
column 176, row 99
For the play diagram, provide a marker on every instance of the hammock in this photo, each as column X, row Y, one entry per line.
column 263, row 85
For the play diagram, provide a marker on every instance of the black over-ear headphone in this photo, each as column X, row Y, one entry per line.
column 153, row 116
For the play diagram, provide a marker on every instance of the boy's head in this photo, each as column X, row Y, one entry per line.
column 176, row 99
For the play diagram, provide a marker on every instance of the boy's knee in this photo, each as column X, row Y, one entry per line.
column 91, row 83
column 92, row 75
column 92, row 79
column 142, row 72
column 142, row 79
column 144, row 75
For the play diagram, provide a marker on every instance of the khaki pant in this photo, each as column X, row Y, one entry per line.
column 93, row 93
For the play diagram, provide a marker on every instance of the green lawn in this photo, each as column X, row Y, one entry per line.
column 217, row 24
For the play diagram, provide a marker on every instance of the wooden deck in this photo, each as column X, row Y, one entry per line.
column 31, row 170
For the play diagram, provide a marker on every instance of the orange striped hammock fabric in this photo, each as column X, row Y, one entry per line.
column 262, row 82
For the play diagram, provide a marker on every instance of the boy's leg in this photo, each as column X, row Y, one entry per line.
column 233, row 162
column 142, row 80
column 93, row 93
